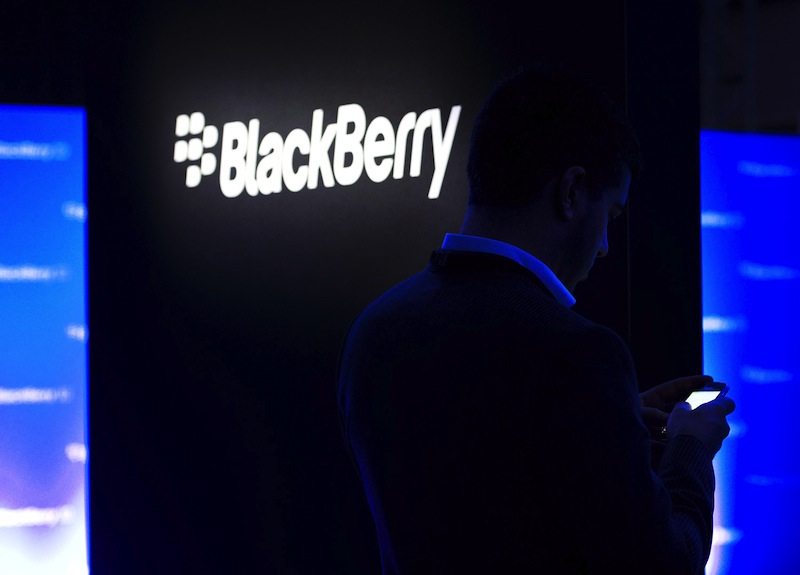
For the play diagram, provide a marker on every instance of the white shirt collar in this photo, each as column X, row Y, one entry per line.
column 463, row 242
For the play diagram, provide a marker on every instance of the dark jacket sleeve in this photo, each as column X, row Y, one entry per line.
column 657, row 521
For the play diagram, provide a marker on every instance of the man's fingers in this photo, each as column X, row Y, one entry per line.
column 682, row 406
column 653, row 417
column 690, row 382
column 723, row 405
column 680, row 386
column 666, row 395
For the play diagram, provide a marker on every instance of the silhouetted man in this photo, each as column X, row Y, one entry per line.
column 494, row 429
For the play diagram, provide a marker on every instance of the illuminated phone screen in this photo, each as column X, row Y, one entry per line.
column 697, row 398
column 43, row 337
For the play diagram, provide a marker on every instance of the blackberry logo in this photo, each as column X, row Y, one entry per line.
column 205, row 137
column 263, row 166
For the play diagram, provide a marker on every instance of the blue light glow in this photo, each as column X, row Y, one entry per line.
column 43, row 336
column 750, row 199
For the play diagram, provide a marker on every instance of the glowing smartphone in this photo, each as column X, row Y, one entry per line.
column 706, row 394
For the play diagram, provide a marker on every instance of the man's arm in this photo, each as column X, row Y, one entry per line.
column 655, row 523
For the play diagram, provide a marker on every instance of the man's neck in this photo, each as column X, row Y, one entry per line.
column 522, row 227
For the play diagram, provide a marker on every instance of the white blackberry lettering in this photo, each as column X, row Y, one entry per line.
column 336, row 154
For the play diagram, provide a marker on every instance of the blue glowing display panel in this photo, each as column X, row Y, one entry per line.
column 750, row 188
column 43, row 334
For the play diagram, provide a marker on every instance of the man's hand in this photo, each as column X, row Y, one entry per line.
column 706, row 422
column 658, row 402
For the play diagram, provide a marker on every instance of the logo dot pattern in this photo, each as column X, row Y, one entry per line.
column 195, row 139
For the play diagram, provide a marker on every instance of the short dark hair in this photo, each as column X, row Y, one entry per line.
column 537, row 123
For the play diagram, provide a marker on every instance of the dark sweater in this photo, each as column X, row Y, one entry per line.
column 496, row 431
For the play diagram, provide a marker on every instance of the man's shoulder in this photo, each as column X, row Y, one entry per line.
column 478, row 292
column 464, row 284
column 488, row 296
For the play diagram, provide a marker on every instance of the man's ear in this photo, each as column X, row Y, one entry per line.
column 569, row 190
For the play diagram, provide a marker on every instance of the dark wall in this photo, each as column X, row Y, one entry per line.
column 215, row 322
column 666, row 335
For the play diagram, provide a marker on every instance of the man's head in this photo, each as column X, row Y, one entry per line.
column 535, row 125
column 551, row 159
column 580, row 233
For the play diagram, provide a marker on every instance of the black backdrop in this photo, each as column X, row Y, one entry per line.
column 215, row 322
